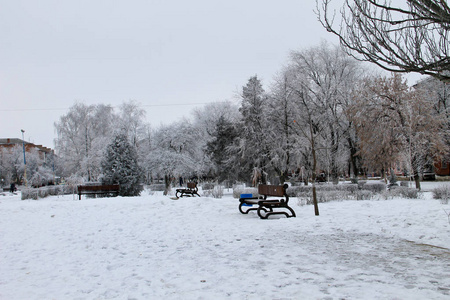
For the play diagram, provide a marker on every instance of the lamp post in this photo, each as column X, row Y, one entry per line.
column 24, row 160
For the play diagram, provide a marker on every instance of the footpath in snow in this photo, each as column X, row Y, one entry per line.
column 153, row 247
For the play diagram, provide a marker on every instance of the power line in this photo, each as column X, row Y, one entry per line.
column 144, row 105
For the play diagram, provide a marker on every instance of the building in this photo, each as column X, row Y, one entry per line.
column 442, row 168
column 44, row 152
column 39, row 167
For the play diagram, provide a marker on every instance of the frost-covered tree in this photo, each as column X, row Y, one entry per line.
column 309, row 124
column 176, row 152
column 11, row 164
column 324, row 78
column 82, row 135
column 282, row 106
column 120, row 166
column 206, row 122
column 132, row 121
column 206, row 117
column 252, row 151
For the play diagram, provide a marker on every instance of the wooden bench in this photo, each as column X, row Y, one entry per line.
column 266, row 207
column 190, row 191
column 106, row 190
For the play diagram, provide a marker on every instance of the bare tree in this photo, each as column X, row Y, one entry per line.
column 310, row 126
column 396, row 123
column 405, row 37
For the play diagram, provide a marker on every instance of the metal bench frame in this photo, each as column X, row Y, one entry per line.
column 190, row 191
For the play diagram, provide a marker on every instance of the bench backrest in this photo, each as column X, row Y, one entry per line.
column 96, row 188
column 191, row 185
column 272, row 190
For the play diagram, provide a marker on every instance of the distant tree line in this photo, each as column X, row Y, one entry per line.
column 324, row 112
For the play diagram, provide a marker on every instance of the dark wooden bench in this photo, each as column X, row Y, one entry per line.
column 190, row 191
column 266, row 207
column 105, row 190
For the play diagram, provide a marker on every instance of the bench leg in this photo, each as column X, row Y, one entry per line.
column 264, row 212
column 241, row 205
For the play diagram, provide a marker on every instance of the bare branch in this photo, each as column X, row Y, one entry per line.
column 413, row 37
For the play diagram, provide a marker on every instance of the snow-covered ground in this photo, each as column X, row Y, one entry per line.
column 153, row 247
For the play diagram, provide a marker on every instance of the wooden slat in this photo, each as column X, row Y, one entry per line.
column 96, row 188
column 271, row 190
column 191, row 185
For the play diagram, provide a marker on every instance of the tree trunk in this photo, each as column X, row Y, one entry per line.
column 416, row 177
column 167, row 184
column 316, row 205
column 353, row 158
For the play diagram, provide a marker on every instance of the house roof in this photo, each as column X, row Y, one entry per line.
column 15, row 141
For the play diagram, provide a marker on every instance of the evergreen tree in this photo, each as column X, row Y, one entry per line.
column 252, row 149
column 120, row 166
column 224, row 136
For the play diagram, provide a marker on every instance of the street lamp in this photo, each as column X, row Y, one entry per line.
column 24, row 160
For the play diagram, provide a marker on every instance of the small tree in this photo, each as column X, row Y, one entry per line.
column 120, row 166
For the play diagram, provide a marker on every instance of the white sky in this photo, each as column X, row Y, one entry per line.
column 53, row 53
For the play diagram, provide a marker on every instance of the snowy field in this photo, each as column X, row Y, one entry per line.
column 153, row 247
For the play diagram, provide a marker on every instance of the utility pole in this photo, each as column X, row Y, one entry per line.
column 24, row 160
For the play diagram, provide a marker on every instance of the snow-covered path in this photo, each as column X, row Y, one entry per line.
column 152, row 247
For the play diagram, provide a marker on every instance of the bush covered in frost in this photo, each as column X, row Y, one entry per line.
column 373, row 186
column 401, row 191
column 442, row 193
column 43, row 192
column 216, row 191
column 159, row 187
column 207, row 186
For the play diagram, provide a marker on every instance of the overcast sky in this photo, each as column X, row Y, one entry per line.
column 160, row 53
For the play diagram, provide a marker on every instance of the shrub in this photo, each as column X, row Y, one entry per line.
column 364, row 195
column 442, row 193
column 160, row 187
column 29, row 193
column 361, row 183
column 351, row 188
column 327, row 196
column 43, row 192
column 208, row 186
column 374, row 187
column 404, row 183
column 401, row 191
column 217, row 191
